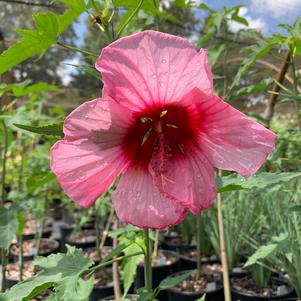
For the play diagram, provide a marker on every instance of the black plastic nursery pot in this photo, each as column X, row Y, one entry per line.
column 13, row 273
column 101, row 289
column 190, row 262
column 214, row 291
column 159, row 272
column 47, row 247
column 286, row 291
column 131, row 297
column 173, row 242
column 83, row 239
column 47, row 230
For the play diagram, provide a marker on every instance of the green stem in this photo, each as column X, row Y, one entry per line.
column 4, row 154
column 198, row 247
column 119, row 32
column 21, row 262
column 109, row 262
column 156, row 246
column 147, row 261
column 72, row 48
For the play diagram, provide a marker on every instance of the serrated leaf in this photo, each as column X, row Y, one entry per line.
column 55, row 269
column 51, row 130
column 129, row 266
column 173, row 281
column 8, row 226
column 48, row 26
column 74, row 289
column 75, row 9
column 32, row 41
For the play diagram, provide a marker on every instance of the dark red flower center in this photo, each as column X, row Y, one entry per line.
column 177, row 126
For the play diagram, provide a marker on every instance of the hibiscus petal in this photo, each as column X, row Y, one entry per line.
column 151, row 67
column 84, row 170
column 188, row 179
column 91, row 156
column 101, row 121
column 230, row 139
column 138, row 202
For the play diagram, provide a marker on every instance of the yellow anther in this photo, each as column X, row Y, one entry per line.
column 163, row 113
column 146, row 136
column 171, row 125
column 145, row 119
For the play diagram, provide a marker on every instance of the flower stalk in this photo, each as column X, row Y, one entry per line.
column 198, row 246
column 147, row 261
column 226, row 280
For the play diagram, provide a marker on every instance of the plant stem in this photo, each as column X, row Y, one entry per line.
column 269, row 111
column 156, row 246
column 147, row 261
column 106, row 231
column 21, row 263
column 41, row 229
column 4, row 154
column 226, row 280
column 116, row 278
column 135, row 11
column 109, row 262
column 72, row 48
column 198, row 246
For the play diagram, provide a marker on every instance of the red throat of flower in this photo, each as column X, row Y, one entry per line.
column 171, row 129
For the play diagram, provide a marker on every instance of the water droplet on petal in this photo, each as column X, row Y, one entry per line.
column 154, row 76
column 163, row 61
column 82, row 177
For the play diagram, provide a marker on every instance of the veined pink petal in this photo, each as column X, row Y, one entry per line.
column 188, row 178
column 230, row 139
column 150, row 68
column 84, row 171
column 91, row 156
column 138, row 202
column 101, row 121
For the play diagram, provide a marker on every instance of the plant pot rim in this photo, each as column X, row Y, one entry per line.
column 277, row 279
column 219, row 286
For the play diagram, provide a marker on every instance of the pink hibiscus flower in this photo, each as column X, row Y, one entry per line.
column 161, row 126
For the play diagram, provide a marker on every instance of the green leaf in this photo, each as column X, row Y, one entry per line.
column 51, row 130
column 296, row 208
column 32, row 41
column 252, row 88
column 144, row 295
column 268, row 250
column 48, row 26
column 235, row 17
column 202, row 298
column 172, row 281
column 256, row 52
column 8, row 226
column 38, row 180
column 75, row 9
column 56, row 268
column 114, row 252
column 261, row 180
column 215, row 53
column 129, row 266
column 74, row 289
column 204, row 6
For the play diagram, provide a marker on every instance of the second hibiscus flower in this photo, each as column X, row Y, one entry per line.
column 161, row 126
